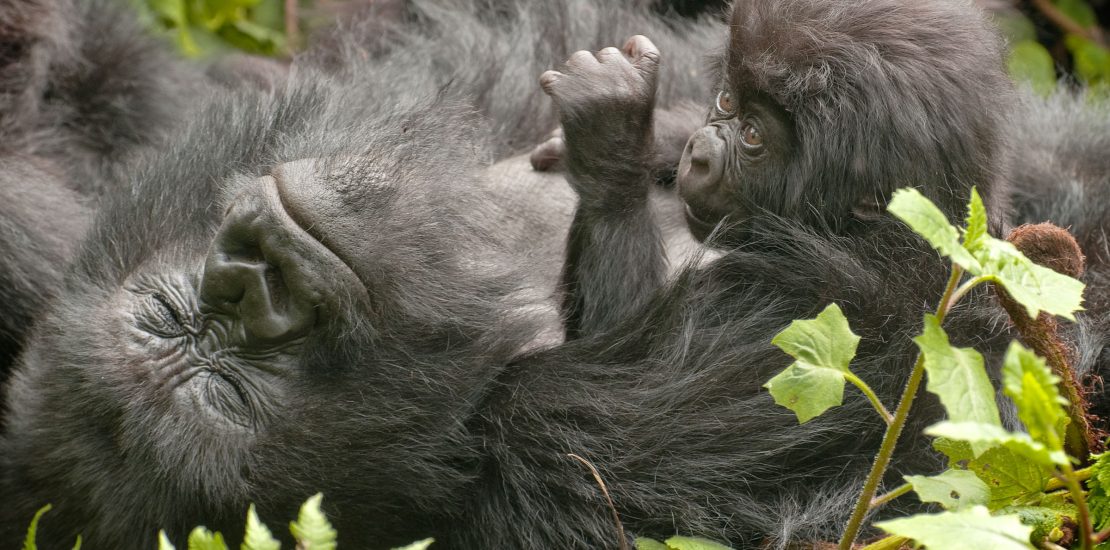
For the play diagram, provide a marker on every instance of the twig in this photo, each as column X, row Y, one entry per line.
column 1066, row 23
column 605, row 491
column 883, row 499
column 292, row 24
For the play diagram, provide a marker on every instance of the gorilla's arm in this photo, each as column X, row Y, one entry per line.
column 614, row 249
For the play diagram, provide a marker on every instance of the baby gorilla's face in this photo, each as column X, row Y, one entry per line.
column 734, row 162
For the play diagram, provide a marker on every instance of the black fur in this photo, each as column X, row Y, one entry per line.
column 406, row 398
column 82, row 87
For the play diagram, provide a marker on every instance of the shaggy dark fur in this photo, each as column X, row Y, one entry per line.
column 343, row 319
column 81, row 89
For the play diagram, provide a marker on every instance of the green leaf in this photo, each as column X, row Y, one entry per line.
column 418, row 545
column 976, row 231
column 203, row 539
column 825, row 341
column 806, row 390
column 694, row 543
column 258, row 536
column 1031, row 385
column 1048, row 518
column 77, row 544
column 312, row 529
column 972, row 529
column 982, row 437
column 252, row 37
column 643, row 543
column 1036, row 287
column 1078, row 11
column 823, row 347
column 1098, row 491
column 1015, row 26
column 1030, row 63
column 1091, row 61
column 910, row 206
column 957, row 377
column 164, row 542
column 1012, row 478
column 953, row 489
column 29, row 543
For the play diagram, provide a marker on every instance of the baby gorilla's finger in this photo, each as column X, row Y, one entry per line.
column 644, row 55
column 609, row 54
column 581, row 59
column 548, row 81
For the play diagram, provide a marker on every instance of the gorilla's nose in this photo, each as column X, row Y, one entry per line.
column 702, row 164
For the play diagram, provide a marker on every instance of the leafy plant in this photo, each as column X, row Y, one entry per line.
column 205, row 27
column 997, row 492
column 312, row 531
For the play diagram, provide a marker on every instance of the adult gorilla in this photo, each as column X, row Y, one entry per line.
column 345, row 321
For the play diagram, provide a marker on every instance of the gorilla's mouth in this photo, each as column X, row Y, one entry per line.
column 700, row 228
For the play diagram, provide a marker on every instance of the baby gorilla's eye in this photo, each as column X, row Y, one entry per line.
column 726, row 107
column 750, row 136
column 161, row 318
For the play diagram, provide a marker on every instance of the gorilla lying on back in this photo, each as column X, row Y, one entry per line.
column 341, row 321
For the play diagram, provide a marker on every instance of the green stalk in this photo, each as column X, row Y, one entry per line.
column 890, row 438
column 883, row 499
column 870, row 393
column 1071, row 480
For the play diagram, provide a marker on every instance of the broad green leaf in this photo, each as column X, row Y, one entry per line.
column 1098, row 491
column 164, row 542
column 1015, row 27
column 252, row 37
column 953, row 489
column 982, row 437
column 1012, row 479
column 643, row 543
column 1036, row 287
column 1030, row 63
column 30, row 541
column 1032, row 387
column 910, row 206
column 203, row 539
column 694, row 543
column 825, row 341
column 972, row 529
column 807, row 390
column 418, row 545
column 822, row 348
column 258, row 536
column 1048, row 518
column 957, row 377
column 312, row 528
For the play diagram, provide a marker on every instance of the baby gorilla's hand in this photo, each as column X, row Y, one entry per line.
column 605, row 104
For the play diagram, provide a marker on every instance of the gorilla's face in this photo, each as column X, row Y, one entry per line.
column 324, row 324
column 736, row 158
column 219, row 332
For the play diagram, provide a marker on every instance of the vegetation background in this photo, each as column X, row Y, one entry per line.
column 1048, row 39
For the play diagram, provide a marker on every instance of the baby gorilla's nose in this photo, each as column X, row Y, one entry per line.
column 702, row 164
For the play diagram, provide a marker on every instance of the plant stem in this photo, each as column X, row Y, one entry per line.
column 1054, row 484
column 870, row 393
column 966, row 287
column 883, row 499
column 890, row 438
column 1072, row 482
column 889, row 543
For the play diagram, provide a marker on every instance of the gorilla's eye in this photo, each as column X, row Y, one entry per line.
column 750, row 136
column 726, row 107
column 161, row 318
